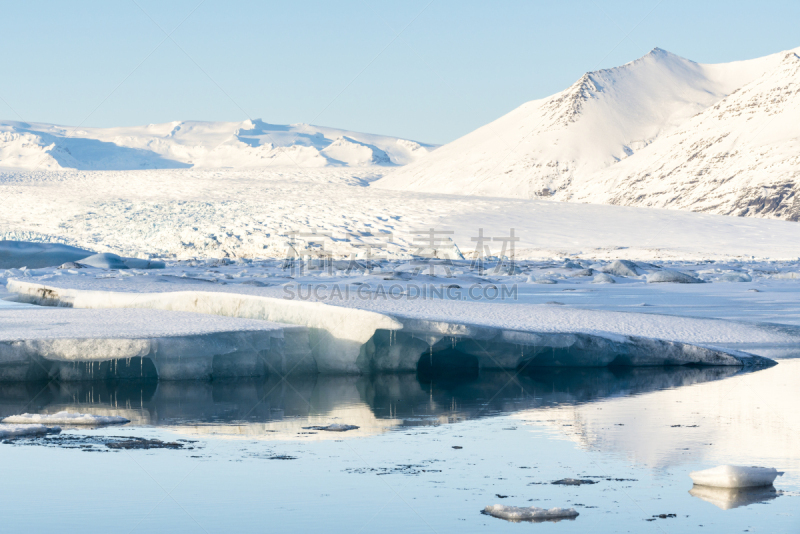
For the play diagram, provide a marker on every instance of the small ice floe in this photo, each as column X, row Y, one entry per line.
column 335, row 427
column 22, row 431
column 735, row 476
column 517, row 513
column 603, row 278
column 64, row 418
column 727, row 498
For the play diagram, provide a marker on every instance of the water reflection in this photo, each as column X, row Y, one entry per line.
column 727, row 498
column 274, row 408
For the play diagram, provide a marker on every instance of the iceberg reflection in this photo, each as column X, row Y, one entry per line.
column 275, row 408
column 727, row 498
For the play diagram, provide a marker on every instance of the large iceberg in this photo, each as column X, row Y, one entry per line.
column 400, row 335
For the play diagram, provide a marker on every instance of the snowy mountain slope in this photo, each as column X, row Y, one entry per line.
column 551, row 147
column 739, row 157
column 185, row 144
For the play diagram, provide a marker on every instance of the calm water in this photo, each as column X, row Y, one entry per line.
column 249, row 462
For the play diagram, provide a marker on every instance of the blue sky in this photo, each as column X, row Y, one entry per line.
column 430, row 71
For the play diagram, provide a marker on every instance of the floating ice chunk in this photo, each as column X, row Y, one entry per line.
column 735, row 277
column 622, row 268
column 735, row 476
column 727, row 498
column 583, row 272
column 603, row 278
column 20, row 431
column 104, row 261
column 675, row 277
column 334, row 427
column 517, row 513
column 16, row 254
column 64, row 418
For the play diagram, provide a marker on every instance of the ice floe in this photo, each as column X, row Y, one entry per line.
column 517, row 513
column 735, row 476
column 64, row 418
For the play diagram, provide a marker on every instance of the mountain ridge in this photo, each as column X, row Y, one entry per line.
column 553, row 147
column 199, row 144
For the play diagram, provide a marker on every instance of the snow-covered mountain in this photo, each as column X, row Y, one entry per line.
column 185, row 144
column 738, row 157
column 647, row 133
